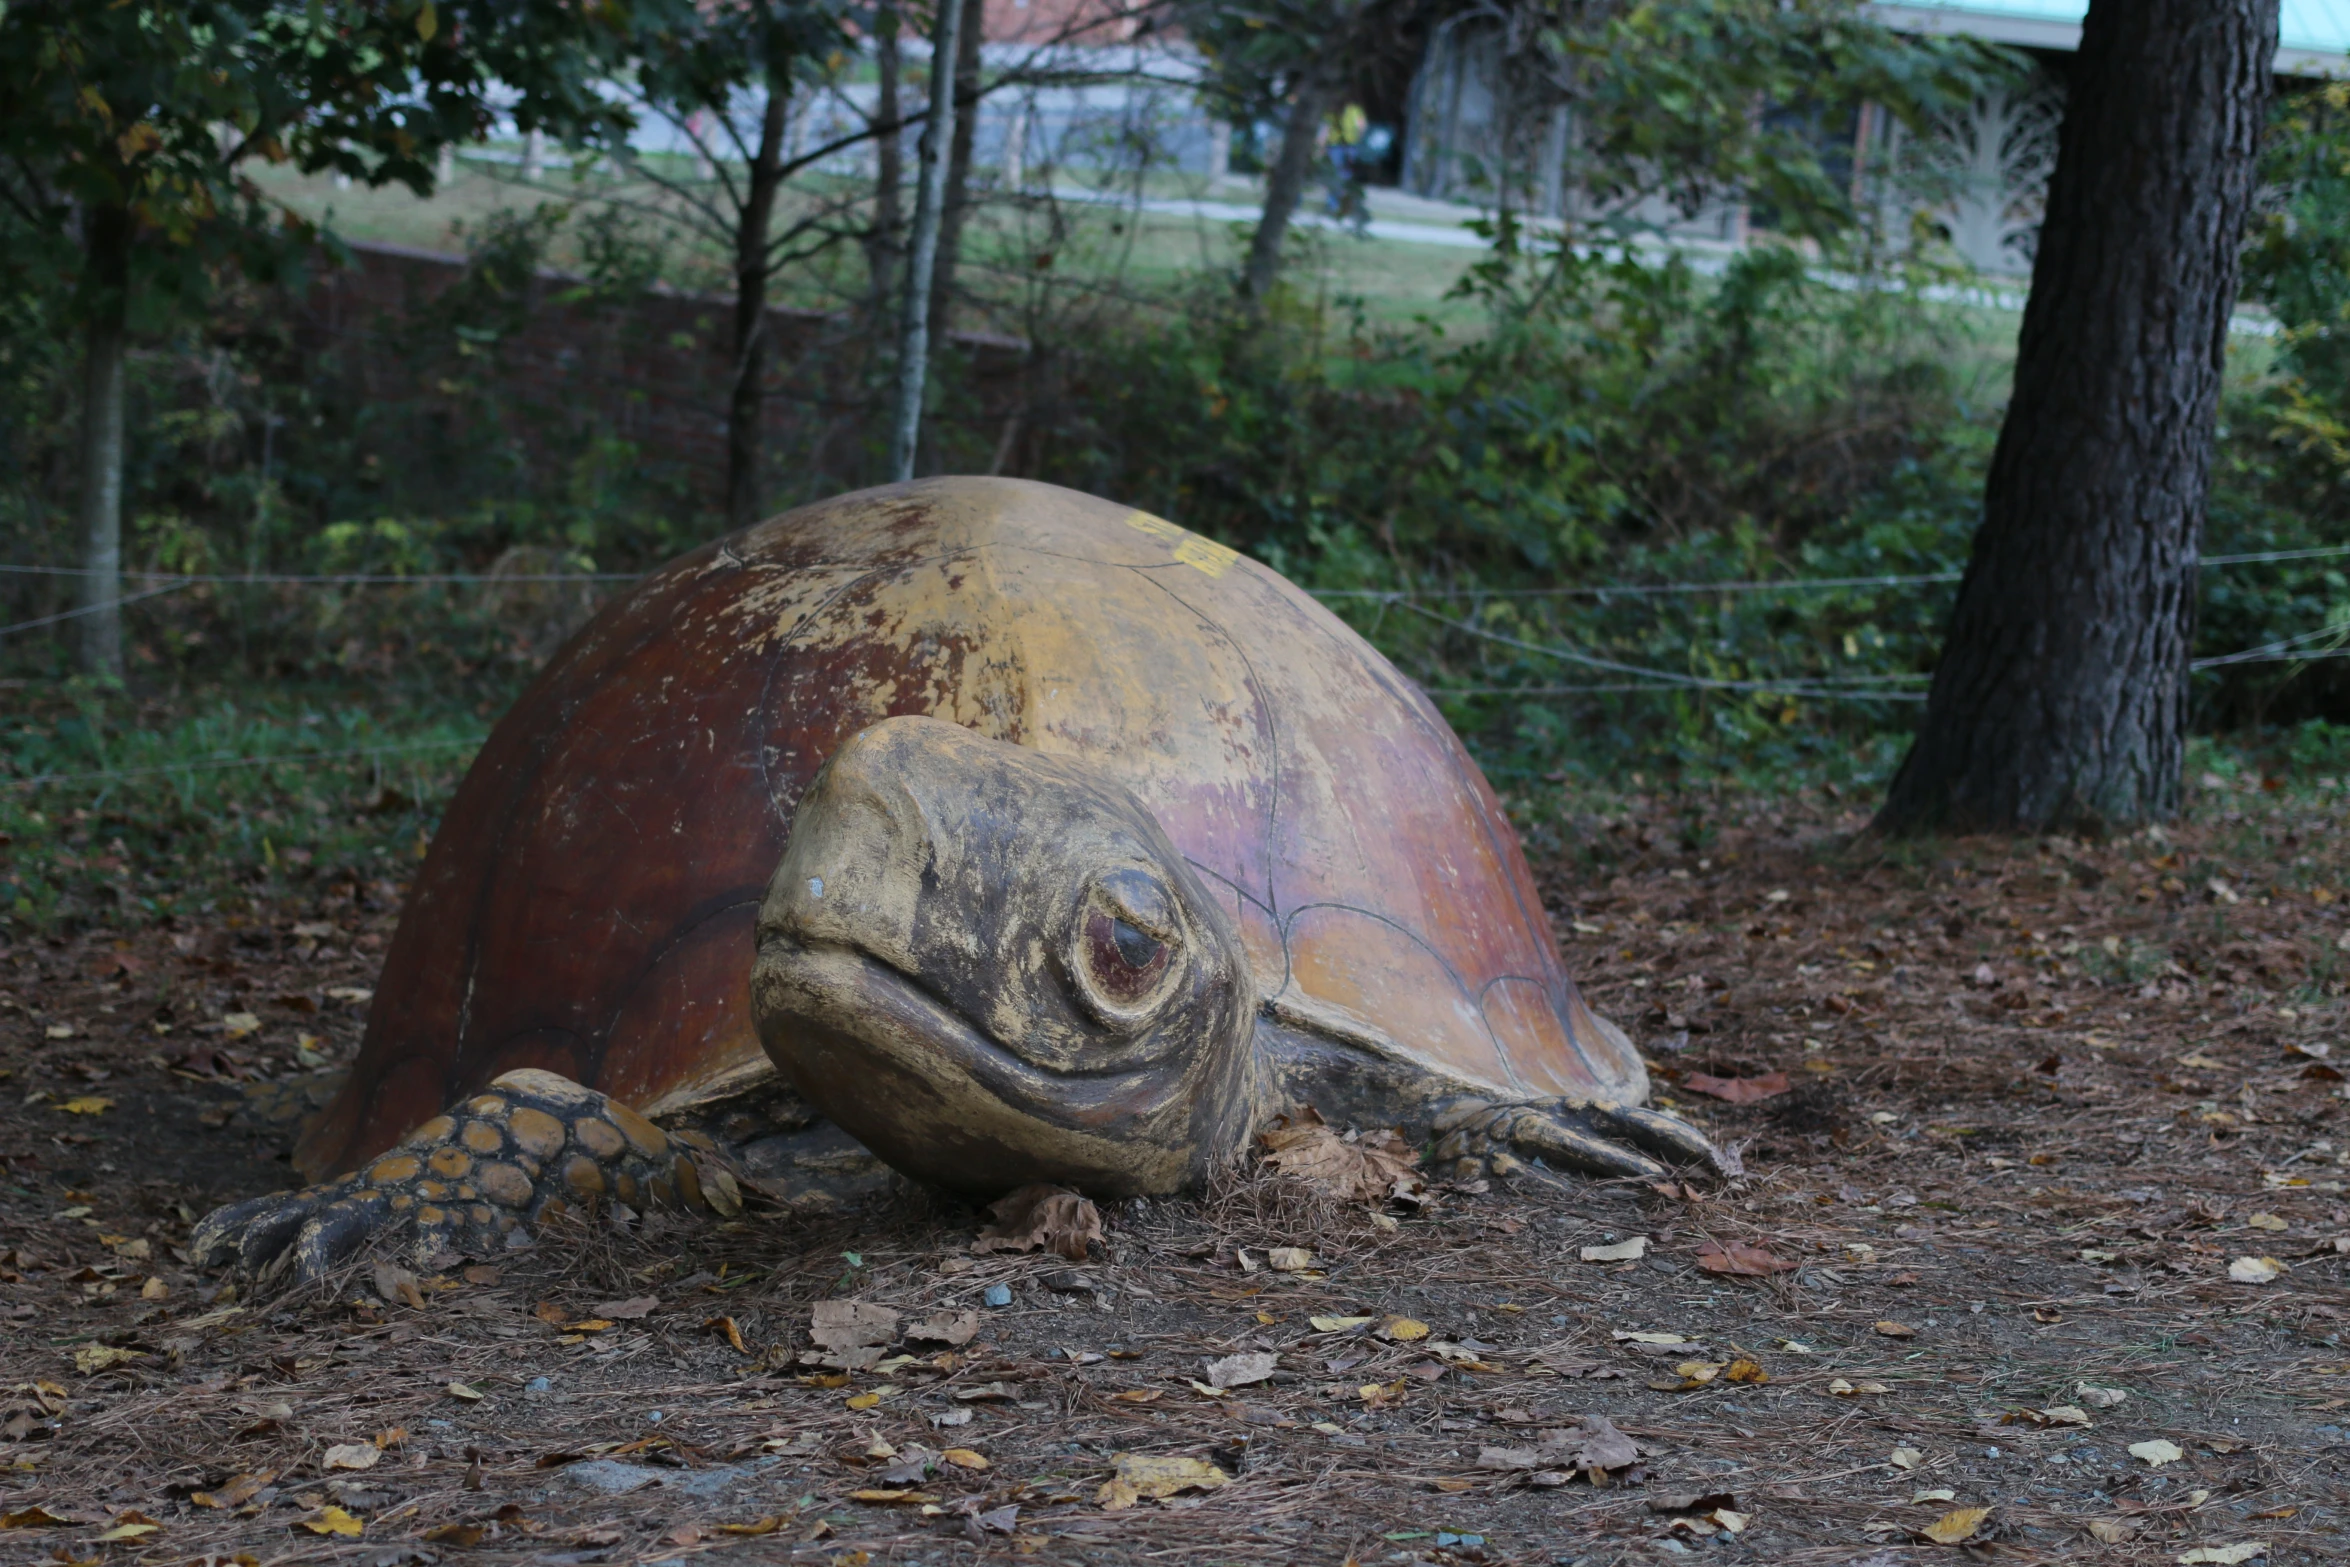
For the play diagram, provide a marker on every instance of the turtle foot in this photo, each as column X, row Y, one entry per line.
column 471, row 1180
column 1476, row 1136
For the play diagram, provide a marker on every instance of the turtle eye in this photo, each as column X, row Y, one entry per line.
column 1123, row 961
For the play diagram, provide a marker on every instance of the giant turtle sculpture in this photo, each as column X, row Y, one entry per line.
column 1025, row 836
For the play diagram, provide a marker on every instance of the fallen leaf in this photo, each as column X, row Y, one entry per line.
column 1507, row 1459
column 332, row 1520
column 462, row 1390
column 766, row 1525
column 1906, row 1458
column 631, row 1310
column 1691, row 1502
column 1623, row 1337
column 396, row 1286
column 1042, row 1217
column 237, row 1492
column 1290, row 1259
column 2099, row 1397
column 352, row 1455
column 2254, row 1270
column 1935, row 1494
column 34, row 1518
column 849, row 1334
column 1377, row 1167
column 1591, row 1443
column 1240, row 1370
column 236, row 1025
column 1741, row 1261
column 87, row 1104
column 2065, row 1415
column 1622, row 1251
column 2267, row 1221
column 2111, row 1530
column 882, row 1498
column 1955, row 1527
column 1139, row 1475
column 1336, row 1324
column 1737, row 1090
column 1890, row 1329
column 1138, row 1395
column 1403, row 1330
column 1744, row 1370
column 951, row 1328
column 2157, row 1452
column 91, row 1359
column 130, row 1526
column 731, row 1331
column 964, row 1458
column 2227, row 1555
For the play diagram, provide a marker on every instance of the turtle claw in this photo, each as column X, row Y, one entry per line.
column 467, row 1181
column 1608, row 1141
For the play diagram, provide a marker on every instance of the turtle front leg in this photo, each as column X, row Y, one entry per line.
column 1476, row 1135
column 471, row 1180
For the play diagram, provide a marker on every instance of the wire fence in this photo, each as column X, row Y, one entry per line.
column 1640, row 678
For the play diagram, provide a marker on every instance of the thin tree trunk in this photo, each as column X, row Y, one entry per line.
column 746, row 402
column 2061, row 697
column 104, row 351
column 882, row 242
column 1286, row 184
column 929, row 199
column 958, row 194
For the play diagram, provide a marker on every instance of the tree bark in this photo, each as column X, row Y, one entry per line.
column 746, row 400
column 958, row 192
column 104, row 351
column 922, row 257
column 882, row 243
column 2060, row 701
column 1285, row 185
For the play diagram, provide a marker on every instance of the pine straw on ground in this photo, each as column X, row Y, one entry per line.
column 2044, row 1094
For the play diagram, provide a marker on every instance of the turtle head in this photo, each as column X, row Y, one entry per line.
column 991, row 967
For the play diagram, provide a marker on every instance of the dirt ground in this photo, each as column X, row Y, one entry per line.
column 2049, row 1105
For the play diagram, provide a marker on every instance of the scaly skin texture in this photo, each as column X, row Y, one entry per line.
column 470, row 1181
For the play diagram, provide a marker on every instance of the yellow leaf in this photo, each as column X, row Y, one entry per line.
column 428, row 21
column 2111, row 1530
column 460, row 1390
column 863, row 1400
column 1891, row 1329
column 884, row 1498
column 1907, row 1458
column 766, row 1525
column 1137, row 1395
column 332, row 1520
column 130, row 1526
column 2157, row 1452
column 1335, row 1324
column 2267, row 1221
column 91, row 1359
column 1957, row 1526
column 1744, row 1370
column 33, row 1518
column 1403, row 1330
column 2254, row 1270
column 238, row 1024
column 964, row 1458
column 1154, row 1475
column 87, row 1104
column 2224, row 1555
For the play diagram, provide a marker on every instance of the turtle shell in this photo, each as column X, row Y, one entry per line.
column 587, row 906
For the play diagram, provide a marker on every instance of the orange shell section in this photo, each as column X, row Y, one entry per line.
column 587, row 905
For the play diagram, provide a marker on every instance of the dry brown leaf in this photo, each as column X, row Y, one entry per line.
column 628, row 1310
column 237, row 1492
column 849, row 1335
column 2111, row 1530
column 1888, row 1328
column 1240, row 1370
column 1591, row 1443
column 1741, row 1261
column 951, row 1328
column 1622, row 1251
column 1041, row 1217
column 352, row 1455
column 1377, row 1167
column 1737, row 1090
column 34, row 1518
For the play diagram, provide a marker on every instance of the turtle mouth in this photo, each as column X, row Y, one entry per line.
column 850, row 993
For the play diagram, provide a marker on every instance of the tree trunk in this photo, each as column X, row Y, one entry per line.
column 746, row 402
column 1286, row 184
column 104, row 350
column 882, row 243
column 929, row 199
column 2061, row 698
column 958, row 192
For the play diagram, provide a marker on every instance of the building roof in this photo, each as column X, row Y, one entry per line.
column 2314, row 35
